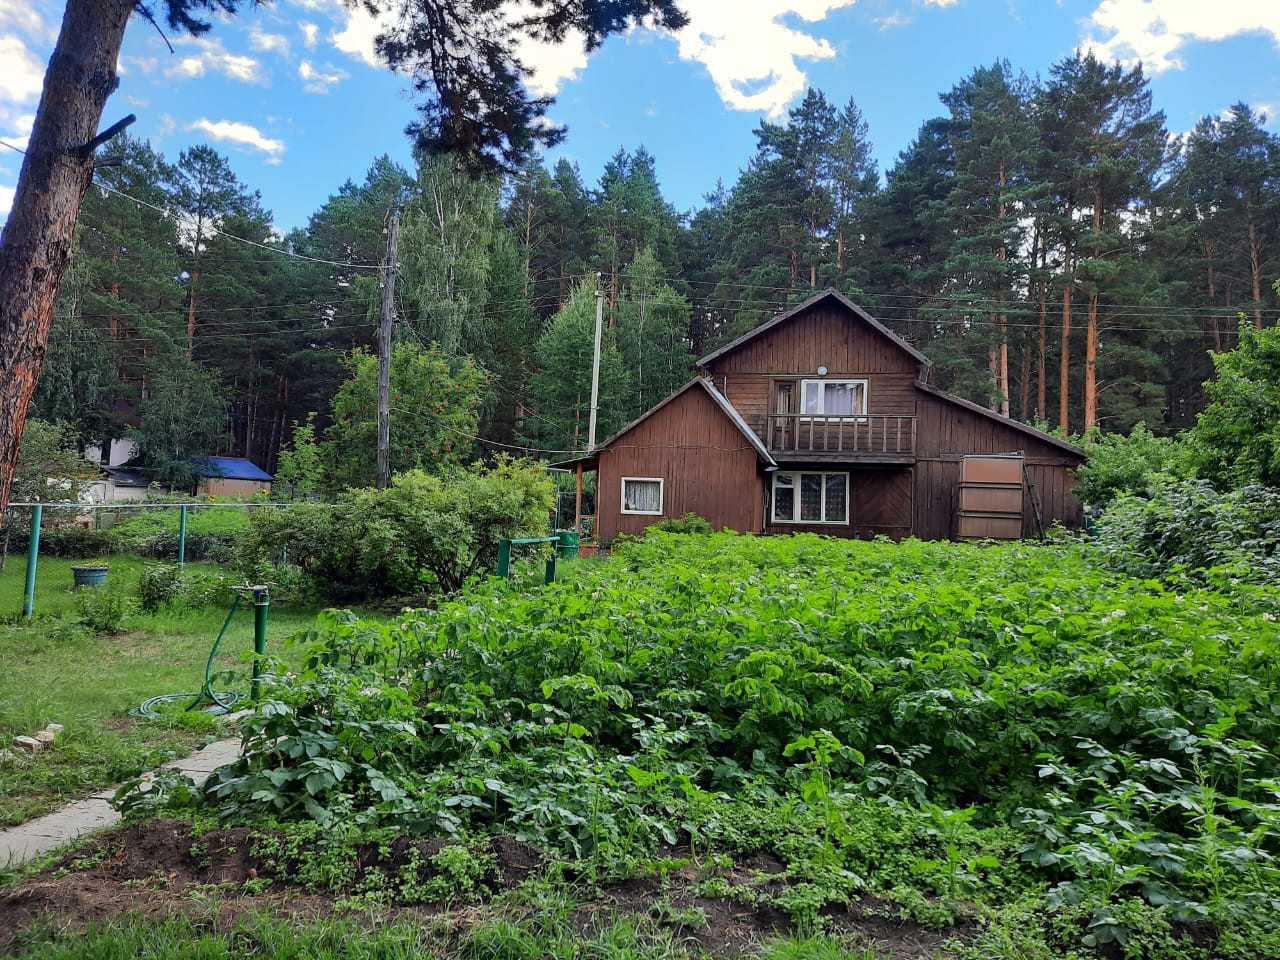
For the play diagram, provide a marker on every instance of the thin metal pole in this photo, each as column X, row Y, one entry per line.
column 33, row 551
column 182, row 536
column 595, row 369
column 261, row 603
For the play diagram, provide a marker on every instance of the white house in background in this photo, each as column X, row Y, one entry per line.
column 120, row 452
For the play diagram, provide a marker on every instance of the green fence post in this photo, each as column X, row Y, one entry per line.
column 551, row 568
column 33, row 551
column 182, row 535
column 261, row 602
column 504, row 558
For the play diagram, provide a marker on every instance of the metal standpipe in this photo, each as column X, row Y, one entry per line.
column 182, row 535
column 33, row 552
column 261, row 602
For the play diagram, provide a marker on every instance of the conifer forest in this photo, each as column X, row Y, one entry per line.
column 1059, row 253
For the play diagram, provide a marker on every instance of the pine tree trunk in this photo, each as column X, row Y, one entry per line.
column 1024, row 388
column 1091, row 334
column 1213, row 294
column 36, row 247
column 1064, row 362
column 1254, row 274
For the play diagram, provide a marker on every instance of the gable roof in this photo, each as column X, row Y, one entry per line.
column 840, row 298
column 720, row 401
column 969, row 405
column 229, row 468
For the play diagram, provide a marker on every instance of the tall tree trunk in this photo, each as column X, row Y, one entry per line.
column 1024, row 388
column 1064, row 362
column 36, row 247
column 1091, row 331
column 1254, row 274
column 1042, row 338
column 1003, row 363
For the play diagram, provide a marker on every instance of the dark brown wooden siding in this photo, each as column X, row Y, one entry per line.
column 707, row 466
column 945, row 432
column 828, row 336
column 879, row 506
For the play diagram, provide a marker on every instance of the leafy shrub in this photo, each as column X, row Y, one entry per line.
column 689, row 523
column 103, row 609
column 158, row 585
column 1119, row 464
column 162, row 585
column 77, row 543
column 1188, row 525
column 423, row 533
column 1237, row 438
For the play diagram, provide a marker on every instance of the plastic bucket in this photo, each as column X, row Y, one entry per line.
column 568, row 545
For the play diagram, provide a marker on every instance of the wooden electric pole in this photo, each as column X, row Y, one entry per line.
column 595, row 370
column 384, row 358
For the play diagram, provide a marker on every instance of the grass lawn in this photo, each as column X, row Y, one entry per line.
column 57, row 670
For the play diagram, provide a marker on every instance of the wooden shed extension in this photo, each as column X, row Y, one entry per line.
column 698, row 451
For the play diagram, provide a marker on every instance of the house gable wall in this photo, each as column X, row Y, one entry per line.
column 707, row 467
column 825, row 335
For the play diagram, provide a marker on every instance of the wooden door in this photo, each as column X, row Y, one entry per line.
column 880, row 503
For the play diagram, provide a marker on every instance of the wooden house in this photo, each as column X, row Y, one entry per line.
column 823, row 420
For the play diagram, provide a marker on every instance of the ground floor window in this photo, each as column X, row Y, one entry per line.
column 642, row 495
column 802, row 497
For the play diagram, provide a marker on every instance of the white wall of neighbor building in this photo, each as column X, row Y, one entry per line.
column 122, row 451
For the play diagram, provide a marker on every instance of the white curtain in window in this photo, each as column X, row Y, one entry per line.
column 643, row 496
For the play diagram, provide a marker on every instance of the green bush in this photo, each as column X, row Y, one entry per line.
column 1189, row 526
column 103, row 609
column 689, row 523
column 162, row 585
column 424, row 533
column 1119, row 464
column 77, row 543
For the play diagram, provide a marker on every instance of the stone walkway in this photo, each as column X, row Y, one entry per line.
column 28, row 840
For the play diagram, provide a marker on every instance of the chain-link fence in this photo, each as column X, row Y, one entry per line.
column 51, row 551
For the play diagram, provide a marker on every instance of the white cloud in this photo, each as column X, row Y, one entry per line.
column 317, row 81
column 6, row 199
column 1153, row 32
column 940, row 3
column 891, row 22
column 309, row 33
column 145, row 64
column 752, row 56
column 233, row 131
column 167, row 126
column 21, row 73
column 259, row 39
column 22, row 16
column 212, row 56
column 356, row 39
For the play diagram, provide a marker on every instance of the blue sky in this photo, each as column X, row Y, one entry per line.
column 291, row 92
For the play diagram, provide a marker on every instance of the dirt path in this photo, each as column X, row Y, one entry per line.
column 35, row 837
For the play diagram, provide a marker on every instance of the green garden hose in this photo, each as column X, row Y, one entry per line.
column 222, row 702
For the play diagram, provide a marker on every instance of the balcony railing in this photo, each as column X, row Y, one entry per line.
column 870, row 435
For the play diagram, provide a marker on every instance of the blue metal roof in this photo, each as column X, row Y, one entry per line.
column 229, row 468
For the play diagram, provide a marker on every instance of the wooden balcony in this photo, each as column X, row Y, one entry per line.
column 872, row 438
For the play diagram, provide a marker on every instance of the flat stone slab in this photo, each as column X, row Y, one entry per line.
column 35, row 837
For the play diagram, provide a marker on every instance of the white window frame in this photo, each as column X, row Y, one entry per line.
column 795, row 500
column 822, row 395
column 645, row 513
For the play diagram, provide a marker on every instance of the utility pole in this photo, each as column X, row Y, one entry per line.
column 595, row 370
column 384, row 357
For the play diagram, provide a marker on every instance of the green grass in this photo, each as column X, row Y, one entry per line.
column 270, row 938
column 56, row 670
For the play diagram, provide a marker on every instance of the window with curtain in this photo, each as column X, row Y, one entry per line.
column 642, row 495
column 834, row 398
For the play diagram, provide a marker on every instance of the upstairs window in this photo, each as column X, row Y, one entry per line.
column 833, row 398
column 802, row 497
column 642, row 495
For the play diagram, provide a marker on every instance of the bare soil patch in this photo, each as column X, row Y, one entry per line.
column 161, row 868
